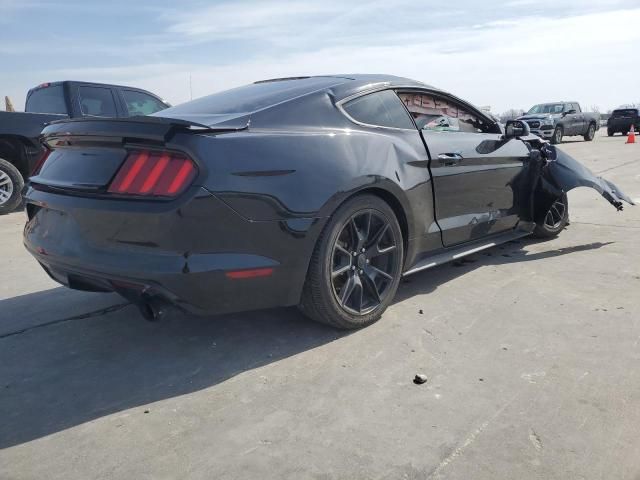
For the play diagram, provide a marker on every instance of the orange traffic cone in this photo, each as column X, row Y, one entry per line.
column 632, row 136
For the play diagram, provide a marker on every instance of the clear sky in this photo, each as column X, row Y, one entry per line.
column 506, row 54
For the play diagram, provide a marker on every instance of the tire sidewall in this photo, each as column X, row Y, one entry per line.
column 351, row 207
column 558, row 133
column 18, row 183
column 591, row 132
column 544, row 231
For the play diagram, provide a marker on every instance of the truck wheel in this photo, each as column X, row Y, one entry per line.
column 591, row 133
column 610, row 132
column 11, row 184
column 555, row 220
column 557, row 136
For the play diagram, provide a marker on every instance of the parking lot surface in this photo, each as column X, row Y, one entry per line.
column 531, row 351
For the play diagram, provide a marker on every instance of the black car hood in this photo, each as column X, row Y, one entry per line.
column 567, row 173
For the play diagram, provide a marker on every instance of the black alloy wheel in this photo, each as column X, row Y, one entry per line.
column 364, row 256
column 555, row 220
column 356, row 266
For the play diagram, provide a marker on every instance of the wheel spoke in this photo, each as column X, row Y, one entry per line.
column 377, row 271
column 359, row 238
column 347, row 290
column 371, row 287
column 343, row 250
column 375, row 252
column 340, row 271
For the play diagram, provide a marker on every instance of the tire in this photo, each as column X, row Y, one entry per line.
column 557, row 135
column 611, row 133
column 338, row 281
column 11, row 184
column 591, row 133
column 555, row 220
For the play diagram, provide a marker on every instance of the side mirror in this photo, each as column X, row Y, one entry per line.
column 516, row 128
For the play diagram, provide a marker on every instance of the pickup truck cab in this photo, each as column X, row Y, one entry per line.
column 20, row 149
column 554, row 121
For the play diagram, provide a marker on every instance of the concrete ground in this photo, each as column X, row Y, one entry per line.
column 531, row 351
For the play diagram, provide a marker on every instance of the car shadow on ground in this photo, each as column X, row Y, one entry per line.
column 510, row 252
column 73, row 370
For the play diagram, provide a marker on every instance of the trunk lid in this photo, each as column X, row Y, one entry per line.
column 86, row 154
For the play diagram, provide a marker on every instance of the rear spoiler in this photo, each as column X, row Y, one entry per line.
column 148, row 128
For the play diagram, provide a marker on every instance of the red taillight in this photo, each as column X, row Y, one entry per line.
column 163, row 174
column 40, row 162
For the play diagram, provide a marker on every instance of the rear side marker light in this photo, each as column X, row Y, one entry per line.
column 242, row 274
column 163, row 174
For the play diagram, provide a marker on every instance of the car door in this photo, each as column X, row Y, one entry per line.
column 578, row 120
column 472, row 167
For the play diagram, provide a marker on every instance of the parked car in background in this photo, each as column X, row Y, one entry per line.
column 554, row 121
column 320, row 192
column 20, row 149
column 622, row 119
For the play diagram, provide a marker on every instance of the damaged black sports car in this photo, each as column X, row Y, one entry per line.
column 320, row 192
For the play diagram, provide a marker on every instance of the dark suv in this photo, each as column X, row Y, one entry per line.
column 622, row 119
column 20, row 149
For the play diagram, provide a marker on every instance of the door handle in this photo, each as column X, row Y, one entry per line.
column 447, row 159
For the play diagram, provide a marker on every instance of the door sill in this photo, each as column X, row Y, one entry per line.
column 465, row 249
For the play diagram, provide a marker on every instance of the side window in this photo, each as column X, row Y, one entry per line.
column 139, row 103
column 431, row 112
column 97, row 102
column 383, row 109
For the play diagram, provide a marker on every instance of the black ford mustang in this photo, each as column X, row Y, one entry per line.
column 312, row 191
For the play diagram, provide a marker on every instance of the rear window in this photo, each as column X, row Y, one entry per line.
column 627, row 112
column 383, row 109
column 256, row 96
column 139, row 103
column 47, row 100
column 97, row 102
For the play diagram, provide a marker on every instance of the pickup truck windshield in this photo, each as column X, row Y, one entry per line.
column 547, row 108
column 47, row 100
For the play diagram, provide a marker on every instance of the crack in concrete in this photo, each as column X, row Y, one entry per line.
column 617, row 166
column 96, row 313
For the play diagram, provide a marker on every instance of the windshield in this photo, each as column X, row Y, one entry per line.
column 628, row 112
column 547, row 108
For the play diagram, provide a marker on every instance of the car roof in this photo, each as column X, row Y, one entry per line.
column 96, row 84
column 265, row 94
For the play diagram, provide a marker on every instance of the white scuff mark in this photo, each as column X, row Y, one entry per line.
column 531, row 377
column 535, row 439
column 469, row 440
column 458, row 451
column 583, row 375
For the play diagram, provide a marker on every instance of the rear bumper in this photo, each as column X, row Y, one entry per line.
column 182, row 253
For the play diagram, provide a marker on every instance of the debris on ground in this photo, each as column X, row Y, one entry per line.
column 419, row 379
